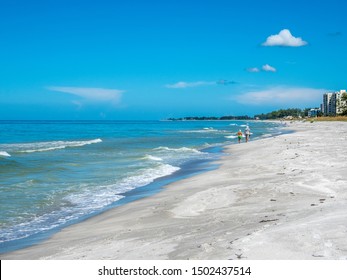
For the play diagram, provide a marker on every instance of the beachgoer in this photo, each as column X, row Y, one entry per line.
column 239, row 135
column 247, row 133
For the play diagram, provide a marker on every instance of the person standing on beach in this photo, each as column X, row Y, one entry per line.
column 247, row 133
column 239, row 135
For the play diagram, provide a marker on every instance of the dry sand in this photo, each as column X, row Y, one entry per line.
column 278, row 198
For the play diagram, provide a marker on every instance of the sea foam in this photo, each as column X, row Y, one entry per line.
column 94, row 198
column 49, row 146
column 149, row 157
column 4, row 154
column 86, row 202
column 183, row 149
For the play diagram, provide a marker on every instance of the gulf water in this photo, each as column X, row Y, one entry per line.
column 55, row 173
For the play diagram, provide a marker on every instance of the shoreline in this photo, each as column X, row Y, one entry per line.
column 186, row 171
column 275, row 198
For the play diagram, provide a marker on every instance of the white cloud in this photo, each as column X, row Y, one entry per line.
column 268, row 68
column 284, row 38
column 92, row 94
column 190, row 84
column 253, row 69
column 282, row 95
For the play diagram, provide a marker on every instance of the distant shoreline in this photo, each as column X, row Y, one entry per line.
column 224, row 118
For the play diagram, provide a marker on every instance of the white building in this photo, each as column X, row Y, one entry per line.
column 331, row 103
column 328, row 108
column 313, row 112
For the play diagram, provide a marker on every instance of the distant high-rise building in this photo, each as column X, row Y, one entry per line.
column 331, row 103
column 327, row 104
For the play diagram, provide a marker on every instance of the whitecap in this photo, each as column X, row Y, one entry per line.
column 145, row 177
column 4, row 154
column 49, row 146
column 149, row 157
column 204, row 130
column 183, row 149
column 86, row 202
column 107, row 194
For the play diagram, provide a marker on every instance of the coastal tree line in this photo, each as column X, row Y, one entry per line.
column 212, row 118
column 278, row 114
column 344, row 104
column 297, row 113
column 282, row 113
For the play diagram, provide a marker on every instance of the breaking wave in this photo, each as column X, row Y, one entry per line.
column 231, row 136
column 48, row 146
column 180, row 150
column 4, row 154
column 154, row 158
column 86, row 202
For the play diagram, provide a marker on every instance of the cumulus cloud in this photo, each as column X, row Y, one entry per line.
column 285, row 39
column 190, row 84
column 268, row 68
column 92, row 94
column 283, row 96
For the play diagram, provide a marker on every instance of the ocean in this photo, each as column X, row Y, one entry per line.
column 56, row 173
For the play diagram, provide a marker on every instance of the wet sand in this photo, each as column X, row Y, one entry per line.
column 277, row 198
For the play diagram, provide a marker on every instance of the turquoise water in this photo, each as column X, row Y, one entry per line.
column 54, row 173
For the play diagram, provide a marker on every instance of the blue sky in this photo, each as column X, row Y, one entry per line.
column 158, row 59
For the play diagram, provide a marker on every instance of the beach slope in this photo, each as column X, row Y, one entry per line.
column 283, row 197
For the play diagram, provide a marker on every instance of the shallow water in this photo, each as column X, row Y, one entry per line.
column 55, row 173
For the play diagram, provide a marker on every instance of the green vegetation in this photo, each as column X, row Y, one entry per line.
column 212, row 118
column 282, row 113
column 279, row 114
column 343, row 104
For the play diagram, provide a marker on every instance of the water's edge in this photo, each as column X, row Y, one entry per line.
column 187, row 170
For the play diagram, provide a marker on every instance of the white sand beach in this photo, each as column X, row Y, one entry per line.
column 277, row 198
